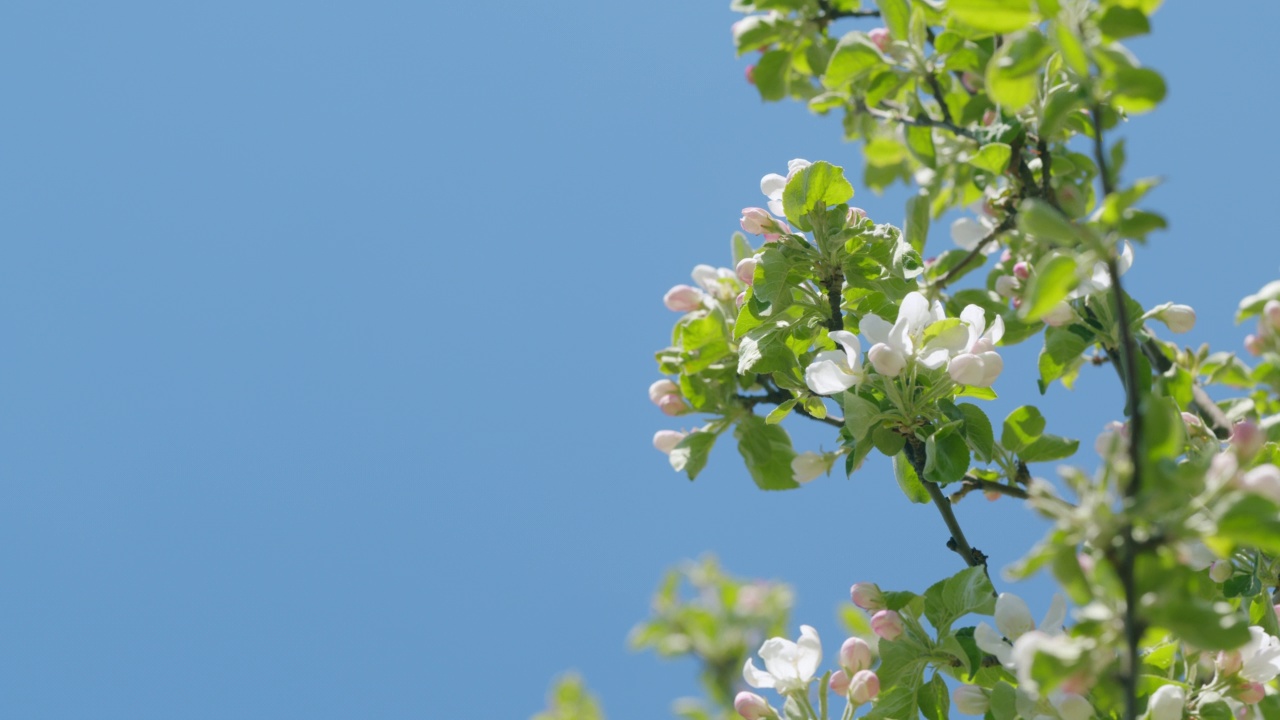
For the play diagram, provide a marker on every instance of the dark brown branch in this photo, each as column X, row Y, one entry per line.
column 835, row 287
column 1207, row 409
column 972, row 483
column 973, row 557
column 936, row 88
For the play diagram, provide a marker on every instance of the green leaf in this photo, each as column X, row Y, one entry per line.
column 1164, row 432
column 934, row 699
column 690, row 455
column 820, row 183
column 1118, row 23
column 1072, row 50
column 894, row 704
column 771, row 287
column 1021, row 428
column 767, row 451
column 1063, row 346
column 1054, row 278
column 1047, row 448
column 968, row 591
column 993, row 157
column 946, row 457
column 860, row 414
column 897, row 17
column 1196, row 621
column 920, row 143
column 1039, row 218
column 994, row 16
column 887, row 441
column 908, row 480
column 977, row 428
column 772, row 75
column 1013, row 73
column 1251, row 520
column 780, row 413
column 855, row 55
column 741, row 248
column 1216, row 710
column 1004, row 701
column 1137, row 90
column 916, row 228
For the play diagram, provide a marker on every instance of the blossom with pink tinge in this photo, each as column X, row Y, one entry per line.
column 1251, row 694
column 667, row 440
column 672, row 405
column 867, row 596
column 880, row 38
column 756, row 221
column 660, row 388
column 977, row 363
column 752, row 707
column 1021, row 270
column 740, row 300
column 1228, row 662
column 855, row 654
column 751, row 74
column 839, row 683
column 683, row 298
column 1220, row 571
column 863, row 687
column 971, row 700
column 1007, row 286
column 895, row 344
column 1260, row 657
column 1263, row 480
column 746, row 269
column 1272, row 312
column 855, row 215
column 1246, row 440
column 887, row 624
column 773, row 184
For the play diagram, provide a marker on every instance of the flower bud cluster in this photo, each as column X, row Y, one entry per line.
column 711, row 285
column 666, row 395
column 1267, row 339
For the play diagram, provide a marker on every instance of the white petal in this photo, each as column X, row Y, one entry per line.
column 992, row 364
column 933, row 358
column 976, row 319
column 875, row 329
column 1125, row 259
column 1057, row 615
column 1013, row 617
column 796, row 165
column 828, row 374
column 779, row 655
column 757, row 678
column 808, row 465
column 966, row 369
column 810, row 652
column 915, row 310
column 967, row 233
column 706, row 277
column 996, row 331
column 886, row 360
column 775, row 207
column 988, row 640
column 848, row 341
column 772, row 186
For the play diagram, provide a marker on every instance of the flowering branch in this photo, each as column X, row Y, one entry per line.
column 973, row 557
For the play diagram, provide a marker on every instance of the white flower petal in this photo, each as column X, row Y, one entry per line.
column 967, row 233
column 772, row 186
column 810, row 652
column 992, row 365
column 976, row 320
column 1013, row 617
column 966, row 369
column 915, row 311
column 757, row 678
column 933, row 358
column 848, row 341
column 775, row 207
column 1057, row 615
column 875, row 329
column 796, row 165
column 886, row 360
column 996, row 331
column 829, row 374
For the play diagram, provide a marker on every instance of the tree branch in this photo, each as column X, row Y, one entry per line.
column 972, row 483
column 834, row 288
column 1005, row 226
column 777, row 396
column 918, row 121
column 958, row 543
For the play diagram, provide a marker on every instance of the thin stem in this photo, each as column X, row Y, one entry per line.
column 918, row 121
column 972, row 483
column 972, row 557
column 936, row 88
column 1005, row 226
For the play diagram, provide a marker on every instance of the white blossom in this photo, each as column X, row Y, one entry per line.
column 808, row 465
column 1260, row 656
column 1013, row 618
column 834, row 371
column 895, row 345
column 1166, row 703
column 788, row 666
column 1100, row 279
column 773, row 184
column 978, row 364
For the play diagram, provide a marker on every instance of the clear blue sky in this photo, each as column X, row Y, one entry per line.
column 327, row 329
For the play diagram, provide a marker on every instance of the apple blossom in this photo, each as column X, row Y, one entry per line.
column 1246, row 440
column 834, row 371
column 971, row 700
column 750, row 74
column 773, row 184
column 1071, row 706
column 863, row 686
column 667, row 440
column 683, row 298
column 672, row 405
column 1059, row 315
column 1178, row 318
column 839, row 683
column 855, row 654
column 1007, row 286
column 720, row 283
column 789, row 666
column 741, row 299
column 855, row 215
column 867, row 596
column 896, row 344
column 1260, row 657
column 1251, row 694
column 1263, row 480
column 1272, row 312
column 808, row 465
column 1113, row 440
column 887, row 624
column 1220, row 571
column 751, row 22
column 660, row 388
column 1021, row 270
column 1166, row 703
column 1099, row 279
column 756, row 221
column 752, row 707
column 967, row 233
column 880, row 38
column 978, row 364
column 1253, row 345
column 746, row 269
column 1228, row 662
column 1013, row 620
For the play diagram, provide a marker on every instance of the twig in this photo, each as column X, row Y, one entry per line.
column 1207, row 409
column 918, row 121
column 972, row 483
column 777, row 396
column 958, row 543
column 955, row 272
column 936, row 88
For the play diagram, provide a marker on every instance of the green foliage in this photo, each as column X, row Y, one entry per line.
column 569, row 699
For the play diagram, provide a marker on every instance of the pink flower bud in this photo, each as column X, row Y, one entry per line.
column 855, row 655
column 1017, row 303
column 1192, row 421
column 1251, row 694
column 971, row 700
column 839, row 683
column 740, row 300
column 1229, row 662
column 779, row 229
column 672, row 405
column 1005, row 256
column 751, row 74
column 1272, row 311
column 863, row 686
column 1021, row 270
column 867, row 596
column 887, row 624
column 752, row 707
column 855, row 216
column 991, row 496
column 880, row 37
column 746, row 269
column 756, row 220
column 1220, row 571
column 1087, row 563
column 1246, row 440
column 989, row 116
column 667, row 440
column 1253, row 345
column 661, row 388
column 683, row 298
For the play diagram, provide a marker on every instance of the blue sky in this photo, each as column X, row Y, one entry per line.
column 328, row 328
